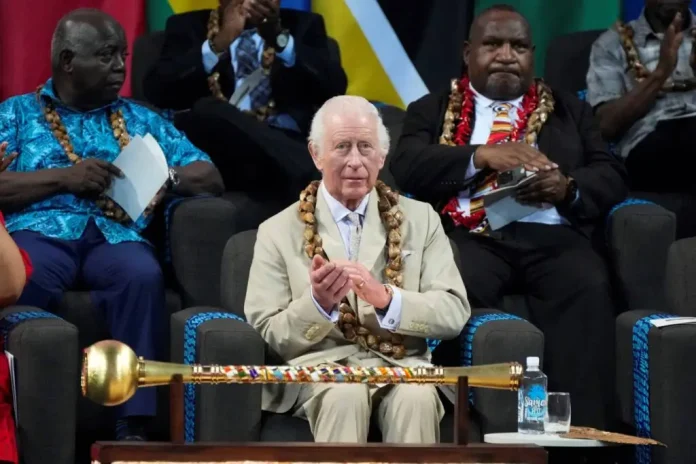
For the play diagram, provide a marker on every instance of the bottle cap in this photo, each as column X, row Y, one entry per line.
column 532, row 361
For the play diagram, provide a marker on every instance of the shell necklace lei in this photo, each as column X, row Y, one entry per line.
column 392, row 218
column 640, row 73
column 537, row 104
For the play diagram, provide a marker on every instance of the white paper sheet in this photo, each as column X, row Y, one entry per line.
column 145, row 171
column 502, row 208
column 673, row 321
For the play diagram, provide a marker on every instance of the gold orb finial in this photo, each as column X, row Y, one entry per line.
column 109, row 373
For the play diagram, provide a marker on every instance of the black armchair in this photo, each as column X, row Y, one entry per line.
column 233, row 413
column 45, row 350
column 656, row 369
column 58, row 425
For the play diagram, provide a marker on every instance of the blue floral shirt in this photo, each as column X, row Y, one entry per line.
column 65, row 216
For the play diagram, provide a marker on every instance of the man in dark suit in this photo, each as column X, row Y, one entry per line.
column 495, row 119
column 253, row 75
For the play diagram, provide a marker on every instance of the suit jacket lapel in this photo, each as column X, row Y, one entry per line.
column 374, row 237
column 328, row 231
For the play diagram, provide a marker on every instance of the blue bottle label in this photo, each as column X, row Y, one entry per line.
column 535, row 404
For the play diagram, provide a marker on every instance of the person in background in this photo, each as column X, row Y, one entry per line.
column 66, row 136
column 359, row 276
column 255, row 133
column 497, row 119
column 642, row 86
column 15, row 269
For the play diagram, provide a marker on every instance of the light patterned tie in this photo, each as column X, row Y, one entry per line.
column 470, row 212
column 355, row 232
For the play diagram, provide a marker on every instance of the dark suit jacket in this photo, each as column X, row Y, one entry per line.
column 570, row 137
column 179, row 79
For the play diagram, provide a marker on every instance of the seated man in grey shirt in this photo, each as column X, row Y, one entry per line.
column 641, row 84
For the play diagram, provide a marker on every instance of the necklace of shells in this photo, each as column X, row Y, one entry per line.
column 267, row 59
column 459, row 114
column 626, row 35
column 392, row 218
column 537, row 104
column 110, row 208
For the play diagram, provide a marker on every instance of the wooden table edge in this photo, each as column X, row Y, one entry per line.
column 109, row 452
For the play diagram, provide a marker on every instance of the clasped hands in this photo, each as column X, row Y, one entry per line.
column 549, row 185
column 264, row 13
column 332, row 280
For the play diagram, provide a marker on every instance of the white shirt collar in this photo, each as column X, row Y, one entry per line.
column 486, row 102
column 340, row 212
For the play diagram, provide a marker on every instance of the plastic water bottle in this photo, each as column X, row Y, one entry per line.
column 532, row 399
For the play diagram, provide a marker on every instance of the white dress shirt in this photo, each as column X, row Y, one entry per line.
column 391, row 319
column 479, row 136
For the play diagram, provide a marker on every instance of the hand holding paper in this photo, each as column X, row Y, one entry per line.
column 145, row 171
column 503, row 208
column 547, row 187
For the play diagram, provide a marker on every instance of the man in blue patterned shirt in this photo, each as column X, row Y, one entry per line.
column 66, row 136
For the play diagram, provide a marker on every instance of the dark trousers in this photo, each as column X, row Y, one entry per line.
column 567, row 287
column 251, row 156
column 126, row 285
column 662, row 169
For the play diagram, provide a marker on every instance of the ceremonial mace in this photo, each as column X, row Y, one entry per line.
column 111, row 374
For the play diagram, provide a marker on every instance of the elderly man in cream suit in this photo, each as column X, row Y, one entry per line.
column 355, row 275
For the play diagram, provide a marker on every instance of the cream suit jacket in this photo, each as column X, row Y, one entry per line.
column 279, row 303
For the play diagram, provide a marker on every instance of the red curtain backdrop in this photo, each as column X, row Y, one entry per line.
column 25, row 37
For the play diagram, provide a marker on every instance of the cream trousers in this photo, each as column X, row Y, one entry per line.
column 341, row 413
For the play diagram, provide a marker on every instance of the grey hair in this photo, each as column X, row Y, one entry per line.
column 60, row 42
column 65, row 37
column 344, row 104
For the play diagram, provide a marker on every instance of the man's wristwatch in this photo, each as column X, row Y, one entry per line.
column 173, row 178
column 282, row 40
column 390, row 292
column 571, row 190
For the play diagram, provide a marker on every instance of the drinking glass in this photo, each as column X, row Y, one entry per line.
column 558, row 413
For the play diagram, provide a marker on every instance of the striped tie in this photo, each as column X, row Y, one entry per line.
column 502, row 124
column 469, row 212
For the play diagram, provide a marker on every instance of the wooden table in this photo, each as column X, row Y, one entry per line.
column 177, row 451
column 315, row 453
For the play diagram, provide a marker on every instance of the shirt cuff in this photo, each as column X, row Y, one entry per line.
column 287, row 56
column 331, row 316
column 210, row 58
column 471, row 171
column 392, row 318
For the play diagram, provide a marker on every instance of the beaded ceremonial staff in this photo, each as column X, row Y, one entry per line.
column 111, row 374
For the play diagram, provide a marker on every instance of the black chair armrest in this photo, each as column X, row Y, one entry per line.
column 671, row 376
column 640, row 234
column 46, row 353
column 208, row 335
column 490, row 337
